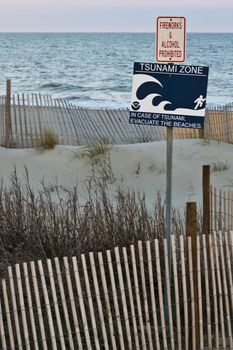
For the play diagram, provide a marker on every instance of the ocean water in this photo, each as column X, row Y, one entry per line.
column 95, row 69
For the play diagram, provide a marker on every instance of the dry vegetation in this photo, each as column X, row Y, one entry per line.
column 34, row 225
column 48, row 141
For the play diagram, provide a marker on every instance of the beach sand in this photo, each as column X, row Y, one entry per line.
column 138, row 167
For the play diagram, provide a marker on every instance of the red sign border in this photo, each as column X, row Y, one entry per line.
column 157, row 22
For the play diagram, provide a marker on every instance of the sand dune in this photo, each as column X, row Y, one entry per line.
column 139, row 167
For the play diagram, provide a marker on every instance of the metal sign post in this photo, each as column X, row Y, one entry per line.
column 168, row 226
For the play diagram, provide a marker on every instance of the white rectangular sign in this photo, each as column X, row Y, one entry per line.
column 170, row 39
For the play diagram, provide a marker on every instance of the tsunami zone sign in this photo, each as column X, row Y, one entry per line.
column 169, row 95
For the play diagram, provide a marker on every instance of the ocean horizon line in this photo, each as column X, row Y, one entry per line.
column 101, row 32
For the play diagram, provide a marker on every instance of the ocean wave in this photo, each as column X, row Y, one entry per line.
column 63, row 88
column 75, row 97
column 50, row 85
column 96, row 99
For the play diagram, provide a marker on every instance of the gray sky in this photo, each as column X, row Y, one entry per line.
column 117, row 16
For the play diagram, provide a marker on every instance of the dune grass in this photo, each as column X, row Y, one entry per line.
column 44, row 225
column 49, row 140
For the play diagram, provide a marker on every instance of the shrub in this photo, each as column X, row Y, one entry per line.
column 220, row 166
column 98, row 155
column 48, row 140
column 93, row 151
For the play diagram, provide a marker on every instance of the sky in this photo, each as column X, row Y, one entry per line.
column 112, row 16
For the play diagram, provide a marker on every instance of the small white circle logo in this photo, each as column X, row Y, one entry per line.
column 135, row 105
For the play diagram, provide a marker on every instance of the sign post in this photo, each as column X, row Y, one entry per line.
column 169, row 95
column 168, row 226
column 170, row 47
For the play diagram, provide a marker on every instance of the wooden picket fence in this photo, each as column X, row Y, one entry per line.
column 24, row 118
column 218, row 126
column 23, row 124
column 221, row 204
column 125, row 298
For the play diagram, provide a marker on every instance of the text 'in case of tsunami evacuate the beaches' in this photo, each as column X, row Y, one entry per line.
column 169, row 95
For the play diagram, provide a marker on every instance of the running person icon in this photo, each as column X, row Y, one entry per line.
column 199, row 101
